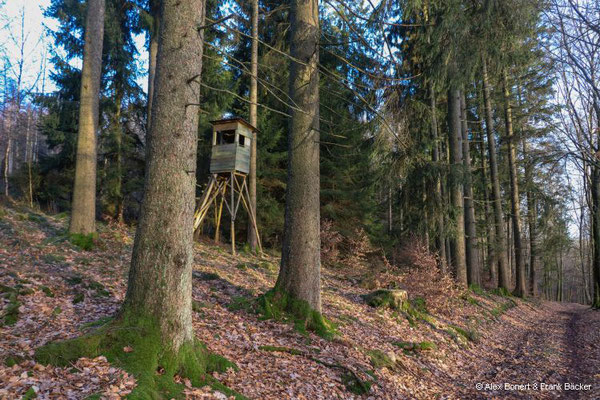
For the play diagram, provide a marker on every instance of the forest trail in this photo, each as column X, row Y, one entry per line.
column 438, row 353
column 551, row 350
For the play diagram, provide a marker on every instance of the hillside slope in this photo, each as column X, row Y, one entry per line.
column 53, row 290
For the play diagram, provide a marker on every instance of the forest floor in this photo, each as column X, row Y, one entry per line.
column 54, row 290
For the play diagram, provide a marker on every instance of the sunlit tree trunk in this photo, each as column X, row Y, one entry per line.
column 252, row 239
column 300, row 274
column 83, row 214
column 160, row 278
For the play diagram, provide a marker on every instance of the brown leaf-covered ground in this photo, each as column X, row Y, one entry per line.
column 480, row 339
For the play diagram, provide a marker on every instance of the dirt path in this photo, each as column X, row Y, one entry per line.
column 547, row 352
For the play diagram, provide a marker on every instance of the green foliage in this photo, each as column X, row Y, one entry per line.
column 133, row 343
column 29, row 394
column 54, row 258
column 279, row 305
column 10, row 314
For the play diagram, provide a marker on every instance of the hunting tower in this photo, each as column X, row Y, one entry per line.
column 229, row 167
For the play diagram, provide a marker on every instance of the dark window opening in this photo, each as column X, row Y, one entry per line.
column 242, row 141
column 226, row 137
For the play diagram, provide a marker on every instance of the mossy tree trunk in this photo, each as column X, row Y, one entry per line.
column 455, row 186
column 300, row 274
column 520, row 289
column 160, row 278
column 83, row 214
column 252, row 239
column 500, row 244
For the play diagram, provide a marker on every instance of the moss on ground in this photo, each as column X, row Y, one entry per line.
column 282, row 349
column 10, row 314
column 279, row 305
column 355, row 385
column 379, row 359
column 384, row 298
column 134, row 344
column 415, row 347
column 29, row 394
column 84, row 242
column 47, row 291
column 502, row 308
column 468, row 334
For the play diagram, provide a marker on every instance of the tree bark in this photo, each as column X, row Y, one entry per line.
column 455, row 187
column 492, row 258
column 441, row 229
column 152, row 53
column 160, row 278
column 252, row 239
column 532, row 223
column 520, row 289
column 83, row 214
column 300, row 274
column 472, row 256
column 595, row 214
column 499, row 248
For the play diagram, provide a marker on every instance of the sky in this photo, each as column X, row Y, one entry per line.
column 36, row 41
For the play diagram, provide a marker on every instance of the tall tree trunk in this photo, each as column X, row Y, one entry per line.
column 152, row 53
column 531, row 221
column 503, row 269
column 252, row 239
column 160, row 278
column 472, row 255
column 455, row 186
column 83, row 214
column 520, row 288
column 492, row 257
column 119, row 145
column 595, row 215
column 300, row 274
column 441, row 229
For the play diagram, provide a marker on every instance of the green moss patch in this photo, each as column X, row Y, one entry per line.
column 13, row 360
column 379, row 359
column 502, row 308
column 279, row 305
column 415, row 347
column 84, row 242
column 47, row 291
column 468, row 334
column 355, row 385
column 10, row 314
column 134, row 344
column 54, row 259
column 384, row 298
column 282, row 349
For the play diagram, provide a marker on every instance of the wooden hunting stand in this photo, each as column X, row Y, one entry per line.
column 229, row 167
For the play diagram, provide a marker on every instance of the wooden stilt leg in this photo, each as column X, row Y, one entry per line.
column 232, row 214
